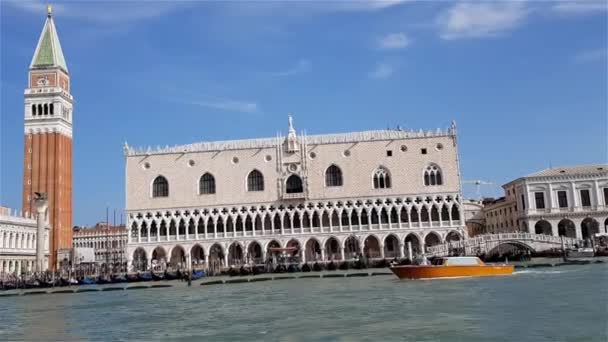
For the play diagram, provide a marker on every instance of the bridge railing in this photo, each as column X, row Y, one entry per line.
column 489, row 241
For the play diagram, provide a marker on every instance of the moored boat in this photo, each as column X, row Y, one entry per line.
column 451, row 267
column 118, row 278
column 197, row 275
column 132, row 277
column 580, row 253
column 158, row 276
column 86, row 281
column 144, row 276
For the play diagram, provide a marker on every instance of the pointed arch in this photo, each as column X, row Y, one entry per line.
column 206, row 184
column 144, row 229
column 191, row 227
column 258, row 222
column 306, row 220
column 433, row 175
column 153, row 229
column 220, row 225
column 315, row 220
column 335, row 219
column 445, row 214
column 296, row 220
column 344, row 218
column 160, row 187
column 415, row 215
column 277, row 222
column 333, row 176
column 163, row 228
column 434, row 214
column 172, row 228
column 383, row 216
column 325, row 219
column 354, row 218
column 455, row 213
column 424, row 214
column 255, row 181
column 293, row 185
column 181, row 228
column 238, row 226
column 267, row 222
column 381, row 178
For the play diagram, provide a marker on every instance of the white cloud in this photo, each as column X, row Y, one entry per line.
column 476, row 20
column 229, row 105
column 103, row 12
column 302, row 66
column 581, row 7
column 394, row 41
column 589, row 56
column 382, row 70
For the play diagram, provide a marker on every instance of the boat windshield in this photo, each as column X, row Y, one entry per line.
column 463, row 261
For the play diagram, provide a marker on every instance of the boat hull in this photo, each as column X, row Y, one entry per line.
column 430, row 271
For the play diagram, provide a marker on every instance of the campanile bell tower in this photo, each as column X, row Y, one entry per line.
column 48, row 138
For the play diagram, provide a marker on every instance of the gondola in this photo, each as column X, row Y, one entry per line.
column 86, row 281
column 31, row 284
column 244, row 271
column 172, row 275
column 197, row 275
column 293, row 268
column 145, row 276
column 317, row 267
column 331, row 266
column 132, row 278
column 306, row 268
column 104, row 280
column 158, row 276
column 118, row 278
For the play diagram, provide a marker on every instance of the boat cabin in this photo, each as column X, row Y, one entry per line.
column 458, row 261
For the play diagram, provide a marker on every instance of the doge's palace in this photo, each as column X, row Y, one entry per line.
column 326, row 197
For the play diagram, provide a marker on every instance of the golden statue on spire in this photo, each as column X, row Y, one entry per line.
column 49, row 10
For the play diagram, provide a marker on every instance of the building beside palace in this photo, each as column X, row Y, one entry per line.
column 108, row 243
column 47, row 166
column 561, row 201
column 18, row 242
column 330, row 197
column 474, row 217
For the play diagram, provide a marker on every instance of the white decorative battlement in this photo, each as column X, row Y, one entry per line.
column 340, row 138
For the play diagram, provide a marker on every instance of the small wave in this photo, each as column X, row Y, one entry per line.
column 540, row 272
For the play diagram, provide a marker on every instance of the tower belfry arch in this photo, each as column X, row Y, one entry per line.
column 48, row 137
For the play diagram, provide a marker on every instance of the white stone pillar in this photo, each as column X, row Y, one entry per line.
column 409, row 251
column 401, row 250
column 382, row 250
column 323, row 254
column 41, row 204
column 342, row 253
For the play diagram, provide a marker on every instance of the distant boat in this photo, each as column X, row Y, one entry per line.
column 451, row 267
column 172, row 275
column 132, row 278
column 118, row 278
column 158, row 276
column 580, row 253
column 145, row 276
column 197, row 275
column 87, row 281
column 104, row 280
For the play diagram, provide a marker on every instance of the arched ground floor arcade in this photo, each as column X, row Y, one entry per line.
column 16, row 265
column 581, row 227
column 223, row 253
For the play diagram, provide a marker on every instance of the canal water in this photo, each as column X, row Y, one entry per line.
column 568, row 303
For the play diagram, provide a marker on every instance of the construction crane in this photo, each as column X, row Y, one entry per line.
column 478, row 183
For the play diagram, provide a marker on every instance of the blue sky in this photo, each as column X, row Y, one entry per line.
column 525, row 81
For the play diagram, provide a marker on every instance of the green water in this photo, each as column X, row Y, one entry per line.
column 568, row 303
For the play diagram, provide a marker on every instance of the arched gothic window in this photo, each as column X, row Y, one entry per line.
column 432, row 175
column 160, row 187
column 294, row 185
column 333, row 176
column 255, row 181
column 206, row 184
column 382, row 178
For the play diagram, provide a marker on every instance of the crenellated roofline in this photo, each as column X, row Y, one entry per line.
column 339, row 138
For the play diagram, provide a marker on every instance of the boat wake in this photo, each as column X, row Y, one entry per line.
column 540, row 272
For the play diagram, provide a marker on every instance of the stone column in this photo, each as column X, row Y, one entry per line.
column 401, row 250
column 41, row 203
column 342, row 253
column 382, row 251
column 323, row 254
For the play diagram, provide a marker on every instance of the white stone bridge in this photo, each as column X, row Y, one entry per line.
column 493, row 244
